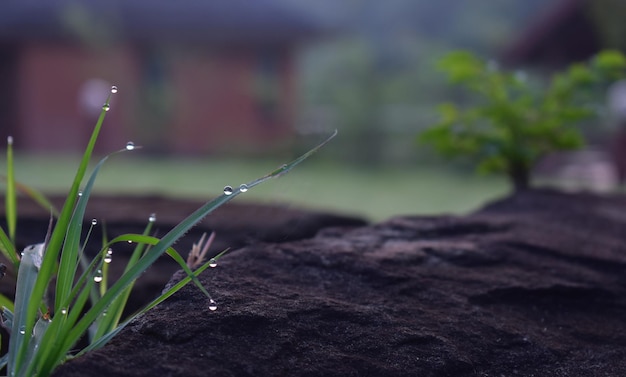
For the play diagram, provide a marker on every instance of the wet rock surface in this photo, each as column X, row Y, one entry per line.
column 533, row 285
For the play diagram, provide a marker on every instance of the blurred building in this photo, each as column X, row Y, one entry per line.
column 565, row 33
column 568, row 31
column 194, row 76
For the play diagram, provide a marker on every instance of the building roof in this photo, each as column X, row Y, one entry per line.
column 563, row 34
column 201, row 21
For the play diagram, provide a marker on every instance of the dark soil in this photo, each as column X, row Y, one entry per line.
column 533, row 285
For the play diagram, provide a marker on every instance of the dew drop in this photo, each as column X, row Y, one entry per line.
column 80, row 193
column 129, row 241
column 106, row 107
column 152, row 217
column 212, row 305
column 23, row 330
column 98, row 277
column 228, row 190
column 243, row 187
column 114, row 89
column 109, row 256
column 10, row 140
column 212, row 263
column 94, row 222
column 130, row 146
column 64, row 311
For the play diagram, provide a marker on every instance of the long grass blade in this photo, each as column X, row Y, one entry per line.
column 37, row 197
column 26, row 278
column 11, row 198
column 164, row 244
column 71, row 247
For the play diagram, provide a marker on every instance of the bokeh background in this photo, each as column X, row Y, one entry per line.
column 220, row 92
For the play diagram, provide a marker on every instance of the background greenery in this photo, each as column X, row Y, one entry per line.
column 374, row 192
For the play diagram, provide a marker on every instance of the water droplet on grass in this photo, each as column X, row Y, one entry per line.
column 228, row 190
column 243, row 187
column 22, row 330
column 98, row 277
column 212, row 305
column 80, row 193
column 212, row 263
column 109, row 256
column 64, row 311
column 10, row 140
column 130, row 146
column 129, row 241
column 114, row 89
column 94, row 222
column 106, row 107
column 152, row 217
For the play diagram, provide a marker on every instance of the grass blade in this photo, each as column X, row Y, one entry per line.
column 26, row 278
column 164, row 296
column 11, row 198
column 37, row 197
column 164, row 244
column 7, row 247
column 71, row 246
column 58, row 235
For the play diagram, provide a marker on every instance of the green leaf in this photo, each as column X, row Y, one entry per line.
column 461, row 66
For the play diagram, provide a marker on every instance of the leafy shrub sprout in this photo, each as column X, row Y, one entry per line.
column 513, row 123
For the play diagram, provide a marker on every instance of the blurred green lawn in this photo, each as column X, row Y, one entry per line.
column 376, row 193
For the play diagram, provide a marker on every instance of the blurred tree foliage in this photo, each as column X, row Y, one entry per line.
column 516, row 121
column 376, row 76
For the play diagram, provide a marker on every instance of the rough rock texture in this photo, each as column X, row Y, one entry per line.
column 236, row 224
column 534, row 285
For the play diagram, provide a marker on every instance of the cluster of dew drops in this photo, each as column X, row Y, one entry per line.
column 106, row 107
column 108, row 258
column 228, row 190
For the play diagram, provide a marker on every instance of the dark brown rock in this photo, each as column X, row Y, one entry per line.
column 533, row 285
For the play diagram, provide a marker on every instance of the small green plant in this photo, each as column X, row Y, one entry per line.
column 513, row 122
column 43, row 333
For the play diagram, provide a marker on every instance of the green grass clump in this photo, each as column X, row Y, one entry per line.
column 43, row 333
